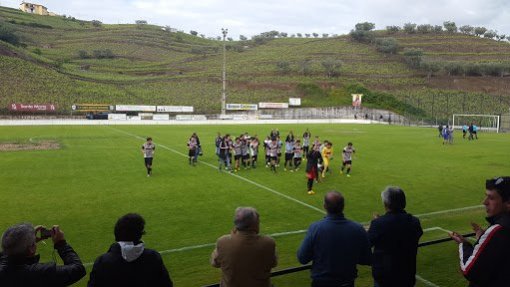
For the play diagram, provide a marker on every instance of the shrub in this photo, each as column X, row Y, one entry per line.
column 82, row 54
column 7, row 35
column 387, row 45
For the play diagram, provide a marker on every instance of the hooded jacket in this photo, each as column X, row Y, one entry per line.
column 128, row 264
column 486, row 264
column 25, row 272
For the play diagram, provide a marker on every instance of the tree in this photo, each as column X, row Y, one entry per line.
column 315, row 35
column 194, row 33
column 283, row 35
column 283, row 67
column 413, row 57
column 307, row 35
column 363, row 32
column 501, row 37
column 410, row 28
column 141, row 22
column 392, row 29
column 305, row 67
column 438, row 28
column 243, row 38
column 430, row 67
column 325, row 35
column 230, row 39
column 387, row 45
column 299, row 35
column 202, row 36
column 424, row 28
column 365, row 26
column 508, row 38
column 331, row 67
column 491, row 34
column 450, row 26
column 479, row 31
column 96, row 23
column 467, row 29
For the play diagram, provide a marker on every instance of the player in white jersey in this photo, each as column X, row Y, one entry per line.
column 148, row 149
column 347, row 158
column 273, row 154
column 298, row 155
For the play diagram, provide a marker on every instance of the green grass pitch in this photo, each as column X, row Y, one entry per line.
column 98, row 175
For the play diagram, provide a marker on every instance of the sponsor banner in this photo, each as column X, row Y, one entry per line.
column 92, row 107
column 161, row 117
column 174, row 109
column 190, row 117
column 134, row 108
column 241, row 107
column 273, row 105
column 294, row 101
column 356, row 100
column 49, row 108
column 117, row 117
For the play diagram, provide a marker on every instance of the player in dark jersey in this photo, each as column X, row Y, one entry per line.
column 347, row 158
column 148, row 149
column 312, row 172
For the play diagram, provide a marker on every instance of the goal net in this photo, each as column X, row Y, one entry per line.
column 486, row 123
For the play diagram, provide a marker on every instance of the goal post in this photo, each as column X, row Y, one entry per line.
column 486, row 123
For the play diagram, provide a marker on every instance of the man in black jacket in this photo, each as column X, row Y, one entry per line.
column 394, row 237
column 127, row 262
column 486, row 264
column 19, row 264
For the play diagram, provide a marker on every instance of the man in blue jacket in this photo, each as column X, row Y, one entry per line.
column 335, row 245
column 395, row 237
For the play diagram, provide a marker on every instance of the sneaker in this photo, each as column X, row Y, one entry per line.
column 148, row 175
column 341, row 172
column 348, row 175
column 323, row 176
column 284, row 169
column 311, row 192
column 291, row 170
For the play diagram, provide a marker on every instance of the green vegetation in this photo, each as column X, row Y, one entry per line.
column 65, row 61
column 97, row 175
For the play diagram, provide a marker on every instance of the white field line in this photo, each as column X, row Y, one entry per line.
column 279, row 234
column 425, row 281
column 449, row 231
column 234, row 175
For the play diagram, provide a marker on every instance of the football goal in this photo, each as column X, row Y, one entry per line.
column 486, row 123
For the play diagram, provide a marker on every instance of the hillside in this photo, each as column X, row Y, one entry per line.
column 67, row 61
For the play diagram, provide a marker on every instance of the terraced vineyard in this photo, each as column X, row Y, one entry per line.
column 153, row 66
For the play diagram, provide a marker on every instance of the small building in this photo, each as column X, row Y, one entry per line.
column 35, row 9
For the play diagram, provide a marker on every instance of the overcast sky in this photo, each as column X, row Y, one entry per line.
column 251, row 17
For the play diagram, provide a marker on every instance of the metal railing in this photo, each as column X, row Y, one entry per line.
column 309, row 266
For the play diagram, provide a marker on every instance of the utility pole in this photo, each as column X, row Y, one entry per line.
column 223, row 91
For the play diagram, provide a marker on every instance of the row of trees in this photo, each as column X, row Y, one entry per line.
column 97, row 54
column 449, row 27
column 331, row 67
column 415, row 59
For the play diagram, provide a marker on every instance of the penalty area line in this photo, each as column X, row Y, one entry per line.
column 233, row 175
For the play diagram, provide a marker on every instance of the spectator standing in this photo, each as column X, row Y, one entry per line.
column 394, row 237
column 128, row 263
column 486, row 264
column 19, row 264
column 244, row 256
column 335, row 245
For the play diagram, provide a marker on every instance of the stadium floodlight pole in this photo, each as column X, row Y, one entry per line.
column 223, row 90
